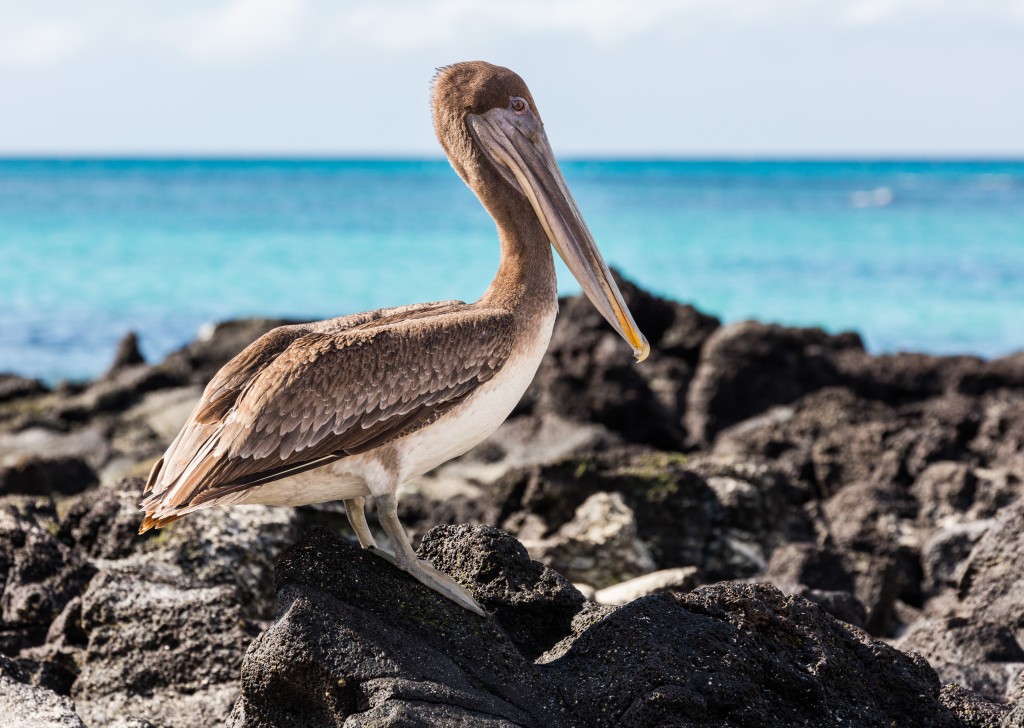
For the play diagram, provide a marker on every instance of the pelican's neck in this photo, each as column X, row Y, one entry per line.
column 525, row 282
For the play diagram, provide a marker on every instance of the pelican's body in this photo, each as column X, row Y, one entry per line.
column 354, row 406
column 452, row 435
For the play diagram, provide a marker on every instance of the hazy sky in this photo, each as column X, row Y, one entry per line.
column 646, row 77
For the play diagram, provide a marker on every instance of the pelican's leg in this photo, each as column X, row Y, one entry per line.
column 406, row 559
column 357, row 518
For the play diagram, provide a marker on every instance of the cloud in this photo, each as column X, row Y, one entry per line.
column 414, row 25
column 43, row 45
column 245, row 29
column 869, row 12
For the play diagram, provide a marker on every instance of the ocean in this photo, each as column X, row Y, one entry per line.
column 914, row 255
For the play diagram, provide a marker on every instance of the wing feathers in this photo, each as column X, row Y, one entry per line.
column 300, row 397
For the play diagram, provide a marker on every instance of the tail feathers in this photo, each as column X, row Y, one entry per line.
column 151, row 502
column 154, row 473
column 149, row 522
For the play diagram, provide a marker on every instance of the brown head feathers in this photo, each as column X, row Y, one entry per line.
column 475, row 87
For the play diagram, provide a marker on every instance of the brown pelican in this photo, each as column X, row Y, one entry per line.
column 354, row 406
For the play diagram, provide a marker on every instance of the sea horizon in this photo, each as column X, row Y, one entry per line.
column 914, row 253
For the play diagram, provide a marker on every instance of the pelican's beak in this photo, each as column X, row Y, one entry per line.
column 517, row 145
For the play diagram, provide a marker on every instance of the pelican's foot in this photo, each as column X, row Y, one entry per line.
column 425, row 573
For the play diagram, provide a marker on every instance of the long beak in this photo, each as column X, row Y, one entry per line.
column 519, row 148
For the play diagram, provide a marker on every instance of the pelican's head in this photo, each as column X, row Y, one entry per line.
column 489, row 126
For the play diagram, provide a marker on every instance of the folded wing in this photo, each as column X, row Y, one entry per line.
column 303, row 396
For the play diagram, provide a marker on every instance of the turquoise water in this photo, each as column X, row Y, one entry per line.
column 914, row 255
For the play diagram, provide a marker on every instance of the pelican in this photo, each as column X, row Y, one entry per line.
column 354, row 406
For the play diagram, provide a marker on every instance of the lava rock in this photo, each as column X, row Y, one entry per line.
column 822, row 575
column 983, row 656
column 833, row 437
column 974, row 710
column 127, row 354
column 104, row 524
column 992, row 583
column 357, row 641
column 777, row 661
column 39, row 575
column 748, row 367
column 906, row 377
column 22, row 704
column 1000, row 435
column 842, row 605
column 944, row 553
column 355, row 634
column 589, row 375
column 112, row 394
column 180, row 641
column 13, row 387
column 533, row 603
column 800, row 439
column 599, row 546
column 233, row 547
column 721, row 516
column 944, row 490
column 39, row 475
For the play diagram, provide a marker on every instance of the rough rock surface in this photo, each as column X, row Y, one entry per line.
column 23, row 704
column 886, row 490
column 588, row 376
column 40, row 575
column 363, row 645
column 992, row 584
column 748, row 367
column 706, row 512
column 600, row 546
column 43, row 476
column 127, row 354
column 13, row 386
column 183, row 641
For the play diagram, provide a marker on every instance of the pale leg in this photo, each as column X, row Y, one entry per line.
column 406, row 560
column 357, row 518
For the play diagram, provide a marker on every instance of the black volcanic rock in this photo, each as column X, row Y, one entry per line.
column 902, row 378
column 358, row 642
column 25, row 704
column 43, row 476
column 355, row 635
column 105, row 525
column 984, row 656
column 887, row 490
column 127, row 354
column 13, row 386
column 181, row 638
column 39, row 575
column 589, row 374
column 976, row 711
column 748, row 367
column 721, row 516
column 992, row 582
column 744, row 655
column 534, row 604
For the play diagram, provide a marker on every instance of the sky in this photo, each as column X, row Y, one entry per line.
column 648, row 78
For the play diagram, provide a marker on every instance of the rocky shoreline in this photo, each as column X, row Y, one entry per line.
column 759, row 526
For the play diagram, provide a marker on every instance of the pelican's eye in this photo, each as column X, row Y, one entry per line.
column 517, row 104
